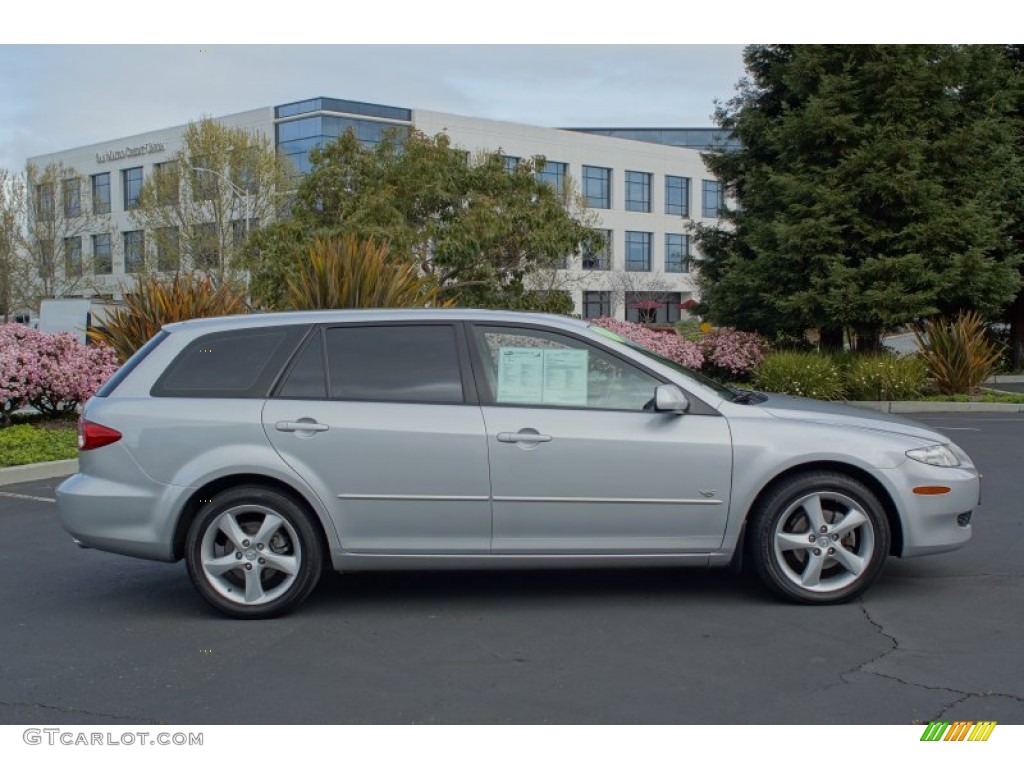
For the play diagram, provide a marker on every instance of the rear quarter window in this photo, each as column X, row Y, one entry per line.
column 235, row 364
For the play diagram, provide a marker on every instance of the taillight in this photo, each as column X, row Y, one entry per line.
column 92, row 435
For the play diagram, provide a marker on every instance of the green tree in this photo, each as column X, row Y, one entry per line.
column 1015, row 196
column 870, row 190
column 199, row 208
column 479, row 229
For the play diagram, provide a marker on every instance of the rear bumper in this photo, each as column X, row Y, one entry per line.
column 129, row 514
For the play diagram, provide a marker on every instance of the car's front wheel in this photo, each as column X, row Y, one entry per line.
column 253, row 552
column 819, row 537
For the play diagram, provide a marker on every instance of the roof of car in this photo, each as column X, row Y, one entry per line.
column 259, row 319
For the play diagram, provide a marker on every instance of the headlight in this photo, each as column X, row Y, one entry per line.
column 936, row 455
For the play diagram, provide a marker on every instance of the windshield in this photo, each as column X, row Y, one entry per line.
column 724, row 392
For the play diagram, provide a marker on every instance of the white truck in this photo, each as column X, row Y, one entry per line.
column 74, row 316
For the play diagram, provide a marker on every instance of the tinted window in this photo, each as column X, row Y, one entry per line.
column 230, row 364
column 395, row 363
column 306, row 378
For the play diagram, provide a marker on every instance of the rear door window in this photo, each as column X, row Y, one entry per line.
column 394, row 363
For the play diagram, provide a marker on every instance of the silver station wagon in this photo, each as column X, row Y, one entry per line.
column 263, row 448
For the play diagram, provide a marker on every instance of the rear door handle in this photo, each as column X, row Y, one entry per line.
column 523, row 437
column 300, row 426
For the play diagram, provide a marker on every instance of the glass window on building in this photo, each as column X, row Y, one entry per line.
column 677, row 253
column 72, row 257
column 638, row 251
column 71, row 192
column 511, row 163
column 677, row 196
column 102, row 259
column 711, row 202
column 553, row 173
column 131, row 183
column 168, row 249
column 597, row 304
column 44, row 202
column 652, row 306
column 599, row 258
column 167, row 182
column 101, row 193
column 597, row 186
column 638, row 191
column 134, row 251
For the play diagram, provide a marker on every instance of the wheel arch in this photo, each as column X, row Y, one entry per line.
column 857, row 473
column 211, row 488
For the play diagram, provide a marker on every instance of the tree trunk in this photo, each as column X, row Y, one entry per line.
column 869, row 338
column 830, row 339
column 1016, row 313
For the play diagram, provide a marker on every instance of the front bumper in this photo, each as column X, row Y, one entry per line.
column 934, row 523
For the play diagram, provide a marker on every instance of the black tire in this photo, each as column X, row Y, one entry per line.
column 266, row 564
column 801, row 562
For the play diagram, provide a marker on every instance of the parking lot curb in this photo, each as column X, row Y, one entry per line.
column 930, row 406
column 44, row 470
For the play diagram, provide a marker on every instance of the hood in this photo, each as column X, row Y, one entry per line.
column 823, row 412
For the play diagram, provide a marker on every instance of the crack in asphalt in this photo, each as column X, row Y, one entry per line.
column 74, row 711
column 962, row 695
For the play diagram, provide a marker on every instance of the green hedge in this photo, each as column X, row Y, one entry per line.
column 28, row 444
column 842, row 376
column 806, row 374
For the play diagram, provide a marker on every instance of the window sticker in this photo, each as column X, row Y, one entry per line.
column 565, row 377
column 520, row 375
column 547, row 376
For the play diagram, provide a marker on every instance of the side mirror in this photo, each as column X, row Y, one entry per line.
column 670, row 399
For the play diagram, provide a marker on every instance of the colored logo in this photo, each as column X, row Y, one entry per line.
column 960, row 730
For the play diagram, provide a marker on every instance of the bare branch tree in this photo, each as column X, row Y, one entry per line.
column 198, row 209
column 58, row 215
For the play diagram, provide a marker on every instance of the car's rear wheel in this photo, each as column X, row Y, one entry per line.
column 253, row 552
column 819, row 537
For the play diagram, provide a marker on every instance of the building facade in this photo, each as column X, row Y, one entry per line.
column 643, row 187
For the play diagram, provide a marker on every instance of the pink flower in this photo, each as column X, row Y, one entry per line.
column 669, row 345
column 51, row 372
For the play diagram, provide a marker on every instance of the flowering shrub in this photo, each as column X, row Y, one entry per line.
column 805, row 374
column 885, row 377
column 730, row 354
column 668, row 345
column 52, row 372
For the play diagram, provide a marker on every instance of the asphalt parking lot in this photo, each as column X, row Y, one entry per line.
column 93, row 638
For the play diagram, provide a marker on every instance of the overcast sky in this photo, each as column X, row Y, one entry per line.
column 442, row 55
column 57, row 97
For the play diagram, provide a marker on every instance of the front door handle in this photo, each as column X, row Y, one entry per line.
column 300, row 426
column 523, row 436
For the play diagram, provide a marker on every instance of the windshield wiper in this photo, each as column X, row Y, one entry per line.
column 746, row 396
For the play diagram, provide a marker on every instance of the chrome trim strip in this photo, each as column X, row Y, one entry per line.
column 606, row 500
column 407, row 497
column 518, row 499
